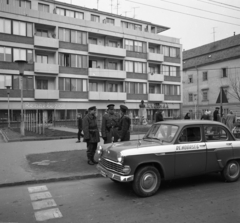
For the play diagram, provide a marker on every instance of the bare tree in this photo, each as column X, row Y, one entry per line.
column 234, row 88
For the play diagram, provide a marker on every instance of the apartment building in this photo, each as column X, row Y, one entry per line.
column 79, row 57
column 208, row 69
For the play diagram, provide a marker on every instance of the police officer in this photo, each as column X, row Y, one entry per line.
column 109, row 125
column 124, row 124
column 91, row 134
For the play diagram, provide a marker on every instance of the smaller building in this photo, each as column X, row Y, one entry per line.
column 206, row 70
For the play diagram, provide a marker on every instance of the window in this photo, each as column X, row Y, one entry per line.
column 166, row 51
column 112, row 44
column 112, row 65
column 5, row 80
column 173, row 71
column 72, row 60
column 136, row 88
column 129, row 66
column 72, row 36
column 22, row 3
column 138, row 27
column 190, row 134
column 170, row 51
column 95, row 18
column 43, row 7
column 110, row 21
column 138, row 46
column 131, row 25
column 42, row 84
column 153, row 29
column 226, row 91
column 41, row 32
column 79, row 15
column 151, row 50
column 22, row 28
column 22, row 54
column 69, row 13
column 205, row 95
column 5, row 26
column 92, row 40
column 205, row 76
column 166, row 70
column 42, row 59
column 5, row 54
column 215, row 133
column 129, row 45
column 190, row 97
column 173, row 52
column 224, row 72
column 155, row 88
column 190, row 78
column 27, row 82
column 60, row 11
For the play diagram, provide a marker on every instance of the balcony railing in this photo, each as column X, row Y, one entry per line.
column 46, row 42
column 105, row 50
column 106, row 73
column 156, row 97
column 156, row 57
column 46, row 94
column 46, row 68
column 155, row 77
column 105, row 96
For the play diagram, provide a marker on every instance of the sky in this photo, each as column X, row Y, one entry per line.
column 194, row 22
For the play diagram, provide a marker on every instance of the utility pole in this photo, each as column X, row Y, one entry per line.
column 111, row 5
column 97, row 4
column 117, row 6
column 197, row 92
column 214, row 33
column 134, row 15
column 126, row 13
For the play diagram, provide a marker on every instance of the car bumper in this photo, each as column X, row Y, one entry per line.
column 114, row 176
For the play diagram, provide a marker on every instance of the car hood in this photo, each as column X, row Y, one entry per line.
column 112, row 151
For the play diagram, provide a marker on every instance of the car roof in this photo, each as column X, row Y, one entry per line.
column 189, row 122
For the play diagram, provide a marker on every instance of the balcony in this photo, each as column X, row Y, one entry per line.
column 104, row 50
column 155, row 57
column 106, row 73
column 156, row 97
column 46, row 94
column 155, row 77
column 105, row 96
column 46, row 68
column 46, row 42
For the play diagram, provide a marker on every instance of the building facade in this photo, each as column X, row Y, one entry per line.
column 208, row 69
column 79, row 57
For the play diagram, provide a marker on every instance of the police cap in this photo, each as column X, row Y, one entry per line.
column 123, row 108
column 92, row 108
column 110, row 106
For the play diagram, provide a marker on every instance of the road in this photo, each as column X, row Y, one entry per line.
column 200, row 199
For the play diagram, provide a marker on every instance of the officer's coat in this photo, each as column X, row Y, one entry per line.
column 90, row 129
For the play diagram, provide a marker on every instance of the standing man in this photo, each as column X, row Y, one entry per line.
column 159, row 116
column 124, row 124
column 109, row 125
column 91, row 134
column 79, row 123
column 216, row 116
column 230, row 120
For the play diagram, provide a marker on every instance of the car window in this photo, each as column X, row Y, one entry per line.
column 190, row 134
column 215, row 133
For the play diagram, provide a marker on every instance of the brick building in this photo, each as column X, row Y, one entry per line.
column 79, row 57
column 207, row 69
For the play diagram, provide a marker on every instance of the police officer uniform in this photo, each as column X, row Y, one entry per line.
column 110, row 125
column 124, row 124
column 91, row 134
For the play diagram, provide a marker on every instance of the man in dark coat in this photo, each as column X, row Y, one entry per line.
column 159, row 116
column 110, row 125
column 124, row 124
column 79, row 123
column 216, row 116
column 91, row 134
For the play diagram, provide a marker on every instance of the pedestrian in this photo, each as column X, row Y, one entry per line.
column 124, row 124
column 206, row 115
column 110, row 125
column 216, row 116
column 159, row 116
column 79, row 123
column 187, row 116
column 230, row 120
column 91, row 134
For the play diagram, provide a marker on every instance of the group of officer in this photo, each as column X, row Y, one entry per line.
column 114, row 128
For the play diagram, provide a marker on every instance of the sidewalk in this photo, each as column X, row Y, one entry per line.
column 30, row 162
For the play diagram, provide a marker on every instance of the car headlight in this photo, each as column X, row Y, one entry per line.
column 126, row 169
column 120, row 158
column 100, row 150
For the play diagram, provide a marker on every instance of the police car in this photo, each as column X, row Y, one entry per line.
column 171, row 150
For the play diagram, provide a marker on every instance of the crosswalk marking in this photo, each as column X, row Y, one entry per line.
column 40, row 196
column 48, row 214
column 40, row 200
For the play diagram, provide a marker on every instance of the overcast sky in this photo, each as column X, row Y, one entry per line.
column 181, row 16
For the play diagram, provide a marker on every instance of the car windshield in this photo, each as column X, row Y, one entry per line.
column 164, row 133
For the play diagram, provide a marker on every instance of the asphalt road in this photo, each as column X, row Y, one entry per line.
column 200, row 199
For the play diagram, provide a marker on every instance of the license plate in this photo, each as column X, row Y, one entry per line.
column 103, row 174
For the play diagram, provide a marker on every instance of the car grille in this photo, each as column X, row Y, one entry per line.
column 111, row 165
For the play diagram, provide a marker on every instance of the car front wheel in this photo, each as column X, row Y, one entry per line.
column 231, row 171
column 146, row 182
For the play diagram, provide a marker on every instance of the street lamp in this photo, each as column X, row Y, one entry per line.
column 195, row 102
column 8, row 86
column 21, row 65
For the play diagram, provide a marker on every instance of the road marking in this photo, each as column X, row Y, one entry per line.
column 48, row 214
column 37, row 189
column 40, row 196
column 43, row 204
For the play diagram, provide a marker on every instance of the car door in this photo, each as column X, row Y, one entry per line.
column 219, row 146
column 190, row 156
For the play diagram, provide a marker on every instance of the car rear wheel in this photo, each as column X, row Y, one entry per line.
column 147, row 181
column 231, row 171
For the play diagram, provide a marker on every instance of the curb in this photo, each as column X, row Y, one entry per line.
column 40, row 139
column 51, row 180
